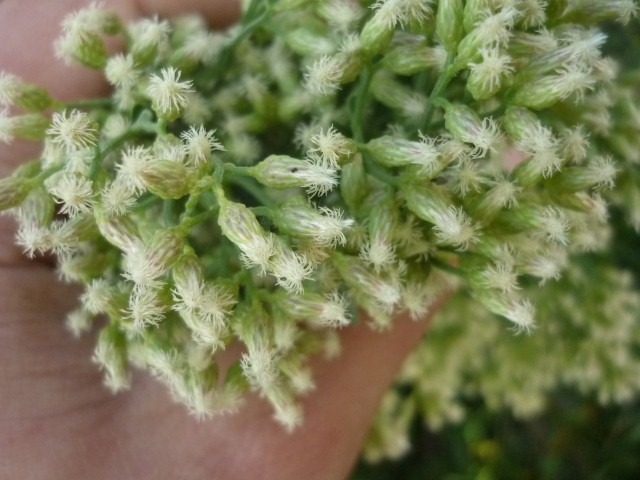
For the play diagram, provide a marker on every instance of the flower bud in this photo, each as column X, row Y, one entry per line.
column 451, row 224
column 148, row 37
column 76, row 230
column 449, row 24
column 15, row 91
column 13, row 191
column 465, row 125
column 167, row 179
column 502, row 194
column 111, row 355
column 380, row 291
column 520, row 312
column 474, row 12
column 598, row 175
column 282, row 172
column 324, row 227
column 168, row 94
column 488, row 76
column 384, row 225
column 308, row 42
column 398, row 152
column 546, row 91
column 549, row 223
column 317, row 309
column 493, row 31
column 289, row 268
column 379, row 29
column 414, row 58
column 537, row 141
column 32, row 126
column 395, row 95
column 119, row 231
column 86, row 48
column 75, row 131
column 241, row 227
column 354, row 186
column 596, row 11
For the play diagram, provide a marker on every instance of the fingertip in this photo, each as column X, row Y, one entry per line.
column 219, row 13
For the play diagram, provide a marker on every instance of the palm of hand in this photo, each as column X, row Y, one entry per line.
column 58, row 421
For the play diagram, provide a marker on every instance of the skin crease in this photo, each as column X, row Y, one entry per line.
column 57, row 421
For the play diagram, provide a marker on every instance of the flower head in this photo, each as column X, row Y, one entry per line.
column 168, row 94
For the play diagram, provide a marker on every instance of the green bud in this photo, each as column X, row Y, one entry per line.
column 354, row 186
column 377, row 34
column 30, row 96
column 414, row 58
column 546, row 91
column 167, row 179
column 489, row 75
column 398, row 152
column 32, row 126
column 390, row 92
column 493, row 31
column 384, row 219
column 451, row 224
column 39, row 207
column 549, row 223
column 486, row 206
column 242, row 228
column 111, row 356
column 282, row 172
column 449, row 24
column 90, row 51
column 378, row 295
column 519, row 311
column 77, row 229
column 165, row 247
column 13, row 191
column 599, row 174
column 119, row 231
column 475, row 11
column 596, row 11
column 308, row 42
column 465, row 125
column 556, row 8
column 324, row 227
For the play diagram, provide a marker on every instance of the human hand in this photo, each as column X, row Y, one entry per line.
column 57, row 421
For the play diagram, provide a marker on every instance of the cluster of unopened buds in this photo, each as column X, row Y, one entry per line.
column 263, row 185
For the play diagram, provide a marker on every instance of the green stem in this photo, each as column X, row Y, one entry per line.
column 379, row 172
column 188, row 222
column 169, row 212
column 88, row 103
column 261, row 211
column 443, row 81
column 237, row 170
column 112, row 145
column 436, row 262
column 253, row 18
column 43, row 175
column 252, row 188
column 359, row 102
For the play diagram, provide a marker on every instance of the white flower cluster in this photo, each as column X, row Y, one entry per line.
column 263, row 185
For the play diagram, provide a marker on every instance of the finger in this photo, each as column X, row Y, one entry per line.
column 338, row 414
